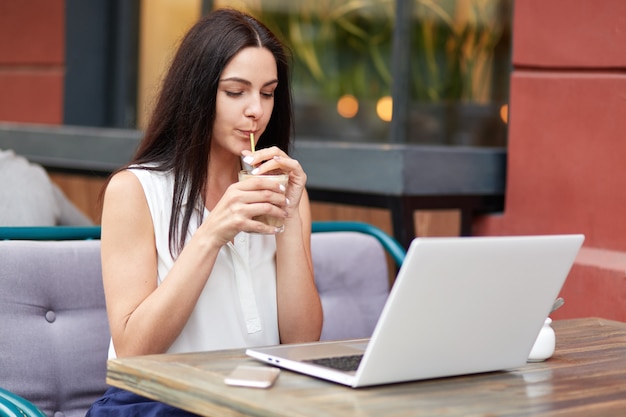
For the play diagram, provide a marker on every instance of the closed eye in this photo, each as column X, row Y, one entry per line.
column 236, row 82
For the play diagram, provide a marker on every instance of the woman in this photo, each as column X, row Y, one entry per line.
column 185, row 266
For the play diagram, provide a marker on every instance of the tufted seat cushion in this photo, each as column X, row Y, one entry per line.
column 352, row 278
column 55, row 334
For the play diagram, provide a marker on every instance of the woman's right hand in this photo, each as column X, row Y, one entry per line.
column 240, row 204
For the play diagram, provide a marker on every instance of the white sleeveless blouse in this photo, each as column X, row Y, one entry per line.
column 237, row 307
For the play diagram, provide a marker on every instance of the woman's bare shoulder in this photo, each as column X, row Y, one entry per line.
column 123, row 181
column 124, row 185
column 124, row 196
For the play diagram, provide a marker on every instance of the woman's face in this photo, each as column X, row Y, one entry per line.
column 245, row 99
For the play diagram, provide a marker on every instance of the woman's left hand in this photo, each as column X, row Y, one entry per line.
column 269, row 159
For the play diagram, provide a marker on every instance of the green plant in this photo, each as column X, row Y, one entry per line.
column 343, row 47
column 454, row 44
column 340, row 47
column 458, row 54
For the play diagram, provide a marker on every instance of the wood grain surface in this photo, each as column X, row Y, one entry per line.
column 585, row 377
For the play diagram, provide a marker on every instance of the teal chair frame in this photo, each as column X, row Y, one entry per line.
column 49, row 232
column 12, row 405
column 391, row 245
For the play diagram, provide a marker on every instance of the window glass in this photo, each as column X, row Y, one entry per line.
column 343, row 65
column 460, row 68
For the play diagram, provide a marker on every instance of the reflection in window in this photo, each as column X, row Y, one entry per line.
column 342, row 73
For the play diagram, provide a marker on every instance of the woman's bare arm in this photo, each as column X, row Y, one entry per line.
column 145, row 318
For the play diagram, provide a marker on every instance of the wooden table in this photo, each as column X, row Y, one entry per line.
column 585, row 377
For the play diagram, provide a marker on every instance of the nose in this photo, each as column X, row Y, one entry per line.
column 254, row 109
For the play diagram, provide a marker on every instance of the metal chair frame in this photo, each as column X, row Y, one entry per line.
column 391, row 245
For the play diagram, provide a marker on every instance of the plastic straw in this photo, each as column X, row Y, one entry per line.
column 252, row 141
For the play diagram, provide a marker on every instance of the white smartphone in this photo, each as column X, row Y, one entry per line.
column 252, row 376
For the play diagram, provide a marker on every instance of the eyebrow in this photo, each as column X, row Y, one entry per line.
column 246, row 82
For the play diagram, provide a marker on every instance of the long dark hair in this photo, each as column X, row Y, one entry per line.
column 178, row 136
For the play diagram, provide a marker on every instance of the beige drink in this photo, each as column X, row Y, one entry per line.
column 277, row 222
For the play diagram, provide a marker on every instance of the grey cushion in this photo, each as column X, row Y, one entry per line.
column 55, row 335
column 352, row 277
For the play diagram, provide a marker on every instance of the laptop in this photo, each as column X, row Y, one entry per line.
column 458, row 306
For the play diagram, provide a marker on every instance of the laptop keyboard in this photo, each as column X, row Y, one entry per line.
column 342, row 363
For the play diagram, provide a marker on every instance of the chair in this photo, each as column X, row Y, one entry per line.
column 55, row 330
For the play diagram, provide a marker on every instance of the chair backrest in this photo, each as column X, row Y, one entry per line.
column 352, row 278
column 55, row 334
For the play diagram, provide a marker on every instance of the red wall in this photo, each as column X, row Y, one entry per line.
column 566, row 168
column 32, row 54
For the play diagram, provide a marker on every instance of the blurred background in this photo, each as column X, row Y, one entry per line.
column 481, row 117
column 459, row 52
column 456, row 92
column 98, row 63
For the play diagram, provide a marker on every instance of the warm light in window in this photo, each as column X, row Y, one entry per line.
column 384, row 108
column 504, row 113
column 347, row 106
